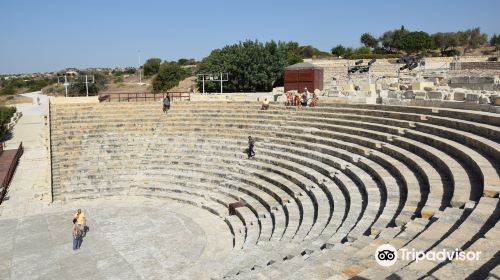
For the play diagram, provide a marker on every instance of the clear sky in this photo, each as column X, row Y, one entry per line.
column 51, row 35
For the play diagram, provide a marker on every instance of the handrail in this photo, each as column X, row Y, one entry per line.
column 142, row 96
column 10, row 171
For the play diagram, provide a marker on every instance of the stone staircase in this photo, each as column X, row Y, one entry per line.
column 327, row 187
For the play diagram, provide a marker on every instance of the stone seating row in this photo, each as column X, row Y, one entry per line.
column 486, row 171
column 348, row 181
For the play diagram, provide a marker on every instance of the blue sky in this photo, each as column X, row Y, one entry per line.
column 52, row 35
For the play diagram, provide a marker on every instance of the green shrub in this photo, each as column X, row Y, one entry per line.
column 5, row 114
column 118, row 80
column 8, row 90
column 169, row 75
column 451, row 53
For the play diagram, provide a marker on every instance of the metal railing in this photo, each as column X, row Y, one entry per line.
column 142, row 96
column 10, row 172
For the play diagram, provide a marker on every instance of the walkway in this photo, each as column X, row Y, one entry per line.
column 29, row 191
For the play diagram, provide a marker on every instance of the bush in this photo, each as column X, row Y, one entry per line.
column 151, row 67
column 79, row 88
column 5, row 114
column 451, row 53
column 8, row 90
column 118, row 80
column 338, row 50
column 169, row 76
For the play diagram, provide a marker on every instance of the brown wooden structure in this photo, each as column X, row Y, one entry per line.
column 234, row 205
column 142, row 96
column 303, row 75
column 8, row 163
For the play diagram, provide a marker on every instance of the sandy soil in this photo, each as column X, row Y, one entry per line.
column 14, row 99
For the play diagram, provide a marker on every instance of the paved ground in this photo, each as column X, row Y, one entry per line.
column 130, row 238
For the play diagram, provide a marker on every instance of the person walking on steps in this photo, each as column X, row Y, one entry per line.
column 166, row 104
column 251, row 143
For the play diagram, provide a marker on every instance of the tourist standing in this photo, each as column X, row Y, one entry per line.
column 81, row 221
column 314, row 100
column 166, row 104
column 77, row 235
column 296, row 99
column 289, row 99
column 303, row 100
column 251, row 144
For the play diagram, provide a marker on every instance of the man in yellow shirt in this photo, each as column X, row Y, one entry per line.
column 80, row 220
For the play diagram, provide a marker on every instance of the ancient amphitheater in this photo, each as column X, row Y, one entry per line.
column 328, row 186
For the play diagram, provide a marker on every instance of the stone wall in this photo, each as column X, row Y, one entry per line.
column 475, row 83
column 482, row 65
column 74, row 100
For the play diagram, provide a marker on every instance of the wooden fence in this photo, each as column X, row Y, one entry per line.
column 8, row 163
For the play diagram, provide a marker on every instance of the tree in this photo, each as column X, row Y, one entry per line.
column 368, row 40
column 169, row 75
column 349, row 51
column 185, row 61
column 310, row 51
column 445, row 40
column 391, row 40
column 252, row 66
column 495, row 41
column 338, row 50
column 292, row 53
column 416, row 41
column 387, row 40
column 476, row 38
column 472, row 38
column 78, row 88
column 363, row 50
column 151, row 66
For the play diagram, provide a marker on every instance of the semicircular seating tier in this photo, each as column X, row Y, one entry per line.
column 327, row 186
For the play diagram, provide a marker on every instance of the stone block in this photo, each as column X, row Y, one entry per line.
column 423, row 85
column 409, row 94
column 384, row 93
column 420, row 95
column 495, row 100
column 490, row 87
column 368, row 87
column 472, row 98
column 484, row 99
column 459, row 80
column 348, row 87
column 481, row 80
column 459, row 96
column 392, row 94
column 435, row 95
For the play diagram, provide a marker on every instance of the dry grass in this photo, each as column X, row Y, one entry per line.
column 14, row 99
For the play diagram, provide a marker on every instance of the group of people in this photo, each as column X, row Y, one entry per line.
column 79, row 229
column 301, row 100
